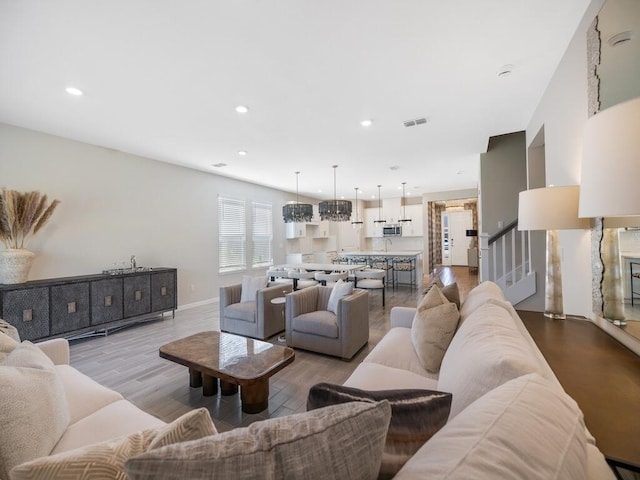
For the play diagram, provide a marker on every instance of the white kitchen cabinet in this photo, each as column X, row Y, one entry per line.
column 414, row 228
column 295, row 230
column 371, row 229
column 391, row 210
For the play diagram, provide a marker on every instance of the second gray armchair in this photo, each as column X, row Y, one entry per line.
column 256, row 318
column 311, row 326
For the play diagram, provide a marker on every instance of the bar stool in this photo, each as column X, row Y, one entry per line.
column 404, row 264
column 302, row 279
column 330, row 279
column 371, row 279
column 382, row 263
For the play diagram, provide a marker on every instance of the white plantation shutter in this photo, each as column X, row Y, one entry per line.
column 262, row 235
column 231, row 234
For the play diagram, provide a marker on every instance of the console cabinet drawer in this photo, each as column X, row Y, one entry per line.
column 163, row 292
column 106, row 301
column 69, row 307
column 137, row 295
column 28, row 311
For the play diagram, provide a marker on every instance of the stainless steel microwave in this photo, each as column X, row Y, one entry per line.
column 391, row 231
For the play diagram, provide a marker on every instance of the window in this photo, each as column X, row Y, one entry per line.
column 231, row 234
column 262, row 235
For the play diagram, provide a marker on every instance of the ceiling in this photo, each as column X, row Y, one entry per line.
column 162, row 79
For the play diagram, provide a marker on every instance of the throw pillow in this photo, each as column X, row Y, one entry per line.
column 106, row 459
column 337, row 442
column 452, row 293
column 415, row 416
column 250, row 286
column 430, row 283
column 434, row 324
column 35, row 413
column 7, row 345
column 339, row 290
column 433, row 328
column 10, row 330
column 525, row 428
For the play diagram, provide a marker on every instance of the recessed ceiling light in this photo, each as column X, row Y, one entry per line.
column 394, row 168
column 242, row 153
column 373, row 196
column 366, row 123
column 408, row 193
column 242, row 109
column 74, row 91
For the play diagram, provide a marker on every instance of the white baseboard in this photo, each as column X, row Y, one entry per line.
column 198, row 304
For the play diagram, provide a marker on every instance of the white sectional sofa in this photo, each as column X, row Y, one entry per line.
column 509, row 418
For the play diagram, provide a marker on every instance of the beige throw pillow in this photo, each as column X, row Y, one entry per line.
column 337, row 442
column 7, row 345
column 106, row 460
column 34, row 410
column 433, row 326
column 9, row 330
column 340, row 289
column 250, row 286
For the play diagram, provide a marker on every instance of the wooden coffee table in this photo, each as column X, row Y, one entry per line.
column 235, row 360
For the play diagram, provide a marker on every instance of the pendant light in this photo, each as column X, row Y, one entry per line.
column 357, row 224
column 297, row 212
column 335, row 210
column 380, row 219
column 404, row 218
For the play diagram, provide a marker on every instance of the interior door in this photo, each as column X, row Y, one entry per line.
column 459, row 243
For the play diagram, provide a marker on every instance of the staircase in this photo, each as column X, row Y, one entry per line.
column 506, row 260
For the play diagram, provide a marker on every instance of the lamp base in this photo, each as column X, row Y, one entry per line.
column 555, row 316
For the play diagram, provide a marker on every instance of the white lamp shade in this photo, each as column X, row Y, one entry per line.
column 550, row 208
column 610, row 185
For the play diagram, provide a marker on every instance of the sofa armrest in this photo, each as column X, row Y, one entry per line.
column 57, row 350
column 402, row 316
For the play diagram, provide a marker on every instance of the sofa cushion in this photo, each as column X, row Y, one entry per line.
column 452, row 293
column 486, row 351
column 100, row 426
column 106, row 459
column 241, row 311
column 340, row 290
column 7, row 345
column 395, row 350
column 320, row 322
column 250, row 287
column 478, row 296
column 525, row 428
column 374, row 376
column 342, row 441
column 433, row 327
column 84, row 395
column 34, row 407
column 415, row 416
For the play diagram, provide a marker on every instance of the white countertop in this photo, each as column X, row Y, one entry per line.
column 382, row 253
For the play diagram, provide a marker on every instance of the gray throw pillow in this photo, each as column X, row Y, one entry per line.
column 416, row 415
column 338, row 442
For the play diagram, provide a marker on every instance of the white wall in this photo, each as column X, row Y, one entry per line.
column 115, row 205
column 563, row 113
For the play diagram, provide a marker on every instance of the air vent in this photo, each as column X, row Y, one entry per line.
column 218, row 165
column 415, row 121
column 620, row 38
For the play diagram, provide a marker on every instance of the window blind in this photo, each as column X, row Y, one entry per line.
column 262, row 235
column 231, row 234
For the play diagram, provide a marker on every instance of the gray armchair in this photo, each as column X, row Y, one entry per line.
column 311, row 326
column 258, row 318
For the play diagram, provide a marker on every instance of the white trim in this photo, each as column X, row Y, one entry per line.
column 198, row 304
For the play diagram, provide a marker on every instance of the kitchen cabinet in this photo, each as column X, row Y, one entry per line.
column 414, row 228
column 295, row 230
column 371, row 229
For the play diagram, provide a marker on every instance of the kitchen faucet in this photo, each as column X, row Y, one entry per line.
column 133, row 262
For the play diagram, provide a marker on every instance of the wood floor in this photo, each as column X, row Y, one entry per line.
column 127, row 361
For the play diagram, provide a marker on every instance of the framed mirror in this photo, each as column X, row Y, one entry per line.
column 613, row 46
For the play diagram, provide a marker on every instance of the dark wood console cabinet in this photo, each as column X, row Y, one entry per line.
column 64, row 307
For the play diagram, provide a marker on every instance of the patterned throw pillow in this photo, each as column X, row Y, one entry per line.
column 338, row 442
column 415, row 416
column 106, row 459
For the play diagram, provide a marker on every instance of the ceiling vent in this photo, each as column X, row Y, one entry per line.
column 620, row 38
column 218, row 165
column 416, row 121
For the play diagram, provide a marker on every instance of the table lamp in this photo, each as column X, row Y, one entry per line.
column 611, row 189
column 551, row 209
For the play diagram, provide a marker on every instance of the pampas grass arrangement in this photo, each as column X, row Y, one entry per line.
column 22, row 214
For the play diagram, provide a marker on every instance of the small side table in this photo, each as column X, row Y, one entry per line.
column 280, row 301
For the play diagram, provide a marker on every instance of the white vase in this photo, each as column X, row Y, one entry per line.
column 15, row 264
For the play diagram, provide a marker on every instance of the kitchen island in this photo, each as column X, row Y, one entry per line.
column 403, row 266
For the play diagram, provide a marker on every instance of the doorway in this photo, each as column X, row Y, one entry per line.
column 455, row 243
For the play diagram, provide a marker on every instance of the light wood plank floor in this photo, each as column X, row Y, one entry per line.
column 127, row 361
